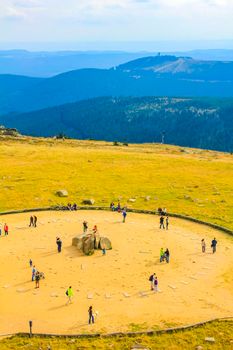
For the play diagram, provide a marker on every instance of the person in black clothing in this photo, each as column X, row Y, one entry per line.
column 91, row 316
column 167, row 222
column 35, row 221
column 37, row 278
column 213, row 245
column 59, row 244
column 85, row 226
column 167, row 255
column 31, row 221
column 161, row 220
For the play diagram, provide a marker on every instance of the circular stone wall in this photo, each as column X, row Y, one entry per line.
column 192, row 288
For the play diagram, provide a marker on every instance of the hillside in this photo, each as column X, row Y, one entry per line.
column 150, row 76
column 182, row 68
column 201, row 123
column 192, row 182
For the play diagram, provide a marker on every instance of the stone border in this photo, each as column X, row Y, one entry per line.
column 120, row 334
column 137, row 211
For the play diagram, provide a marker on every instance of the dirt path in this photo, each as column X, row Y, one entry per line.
column 194, row 286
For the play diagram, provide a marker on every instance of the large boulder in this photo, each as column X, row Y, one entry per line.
column 78, row 242
column 88, row 245
column 105, row 242
column 88, row 201
column 62, row 193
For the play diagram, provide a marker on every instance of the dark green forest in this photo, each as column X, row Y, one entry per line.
column 194, row 122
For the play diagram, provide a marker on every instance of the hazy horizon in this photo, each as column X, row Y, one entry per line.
column 131, row 46
column 132, row 25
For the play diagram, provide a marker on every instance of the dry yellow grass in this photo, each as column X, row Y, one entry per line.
column 187, row 181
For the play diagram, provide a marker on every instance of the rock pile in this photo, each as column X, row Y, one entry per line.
column 87, row 243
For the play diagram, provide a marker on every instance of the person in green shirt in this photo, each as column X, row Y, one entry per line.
column 161, row 255
column 70, row 295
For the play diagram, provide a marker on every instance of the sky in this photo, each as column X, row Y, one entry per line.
column 110, row 24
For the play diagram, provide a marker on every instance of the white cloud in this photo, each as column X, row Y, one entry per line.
column 116, row 20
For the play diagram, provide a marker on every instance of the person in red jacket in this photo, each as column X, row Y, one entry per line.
column 6, row 229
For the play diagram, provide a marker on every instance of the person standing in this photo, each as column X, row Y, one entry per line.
column 214, row 245
column 31, row 223
column 85, row 226
column 70, row 295
column 0, row 231
column 156, row 283
column 33, row 273
column 161, row 255
column 94, row 230
column 167, row 222
column 124, row 214
column 151, row 279
column 37, row 278
column 6, row 229
column 59, row 244
column 203, row 245
column 91, row 316
column 30, row 263
column 161, row 220
column 103, row 249
column 35, row 220
column 167, row 255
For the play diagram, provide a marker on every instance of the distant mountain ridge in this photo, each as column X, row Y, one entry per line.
column 149, row 76
column 47, row 64
column 202, row 123
column 183, row 67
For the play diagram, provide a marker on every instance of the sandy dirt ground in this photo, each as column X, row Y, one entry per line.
column 193, row 286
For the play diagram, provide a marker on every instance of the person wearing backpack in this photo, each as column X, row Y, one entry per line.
column 70, row 295
column 37, row 279
column 151, row 279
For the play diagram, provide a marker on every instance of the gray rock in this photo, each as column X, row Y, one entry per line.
column 199, row 347
column 132, row 200
column 147, row 198
column 88, row 202
column 105, row 242
column 78, row 241
column 62, row 193
column 210, row 339
column 88, row 245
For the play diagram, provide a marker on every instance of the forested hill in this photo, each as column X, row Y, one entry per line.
column 203, row 123
column 148, row 76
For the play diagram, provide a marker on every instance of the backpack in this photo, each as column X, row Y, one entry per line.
column 151, row 278
column 67, row 292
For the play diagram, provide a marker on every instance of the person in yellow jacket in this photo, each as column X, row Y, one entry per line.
column 161, row 255
column 70, row 295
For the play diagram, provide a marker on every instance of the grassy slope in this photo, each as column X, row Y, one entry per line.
column 194, row 182
column 33, row 169
column 189, row 339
